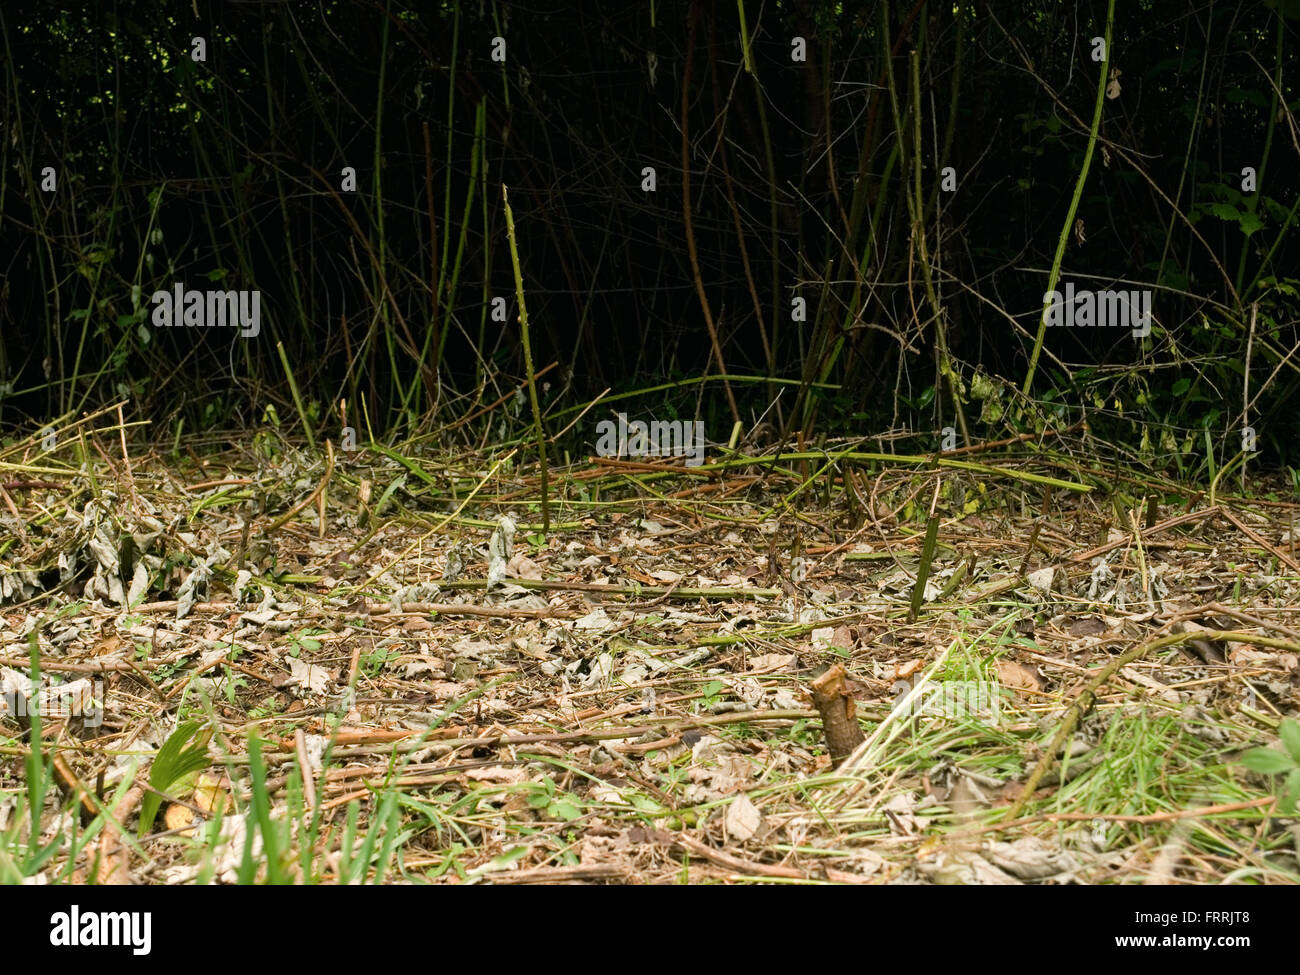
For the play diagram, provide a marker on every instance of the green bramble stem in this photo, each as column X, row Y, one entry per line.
column 528, row 359
column 1074, row 202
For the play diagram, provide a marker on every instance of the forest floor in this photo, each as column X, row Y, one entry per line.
column 375, row 666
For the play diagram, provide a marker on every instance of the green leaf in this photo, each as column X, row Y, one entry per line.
column 504, row 860
column 1290, row 732
column 1249, row 223
column 176, row 758
column 1291, row 792
column 1224, row 211
column 1266, row 760
column 565, row 809
column 646, row 805
column 1246, row 96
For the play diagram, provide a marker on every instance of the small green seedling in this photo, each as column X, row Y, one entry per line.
column 1280, row 761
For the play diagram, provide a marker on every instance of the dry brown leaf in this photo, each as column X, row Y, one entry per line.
column 498, row 773
column 1086, row 626
column 522, row 567
column 763, row 663
column 1018, row 676
column 743, row 820
column 179, row 817
column 212, row 791
column 907, row 668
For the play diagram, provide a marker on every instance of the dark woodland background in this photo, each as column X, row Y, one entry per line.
column 799, row 179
